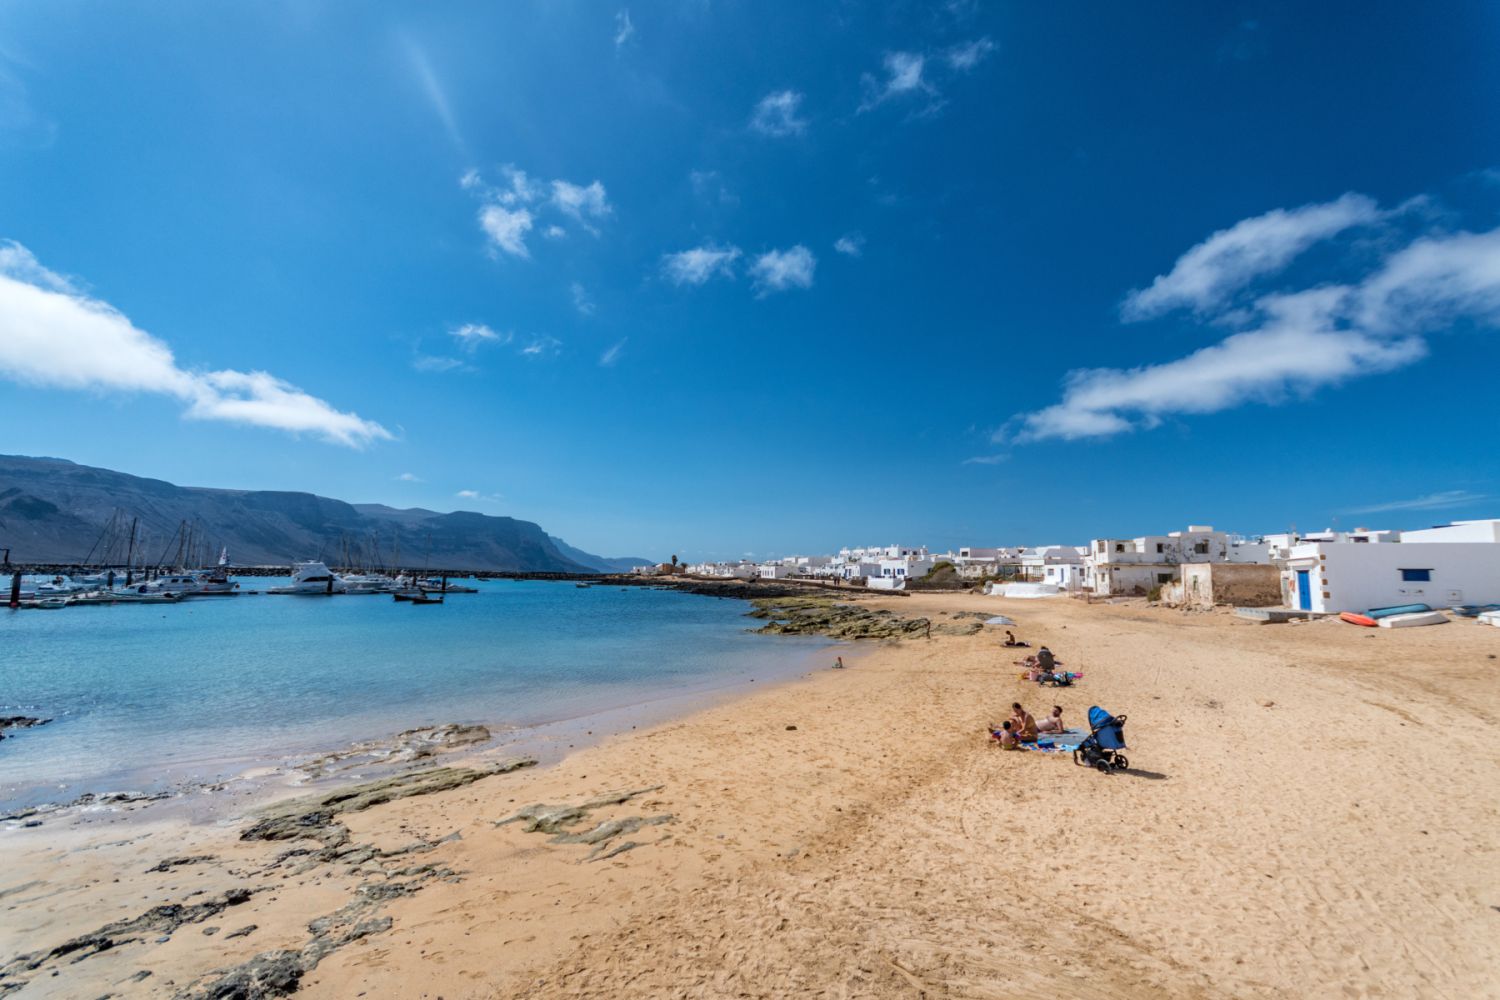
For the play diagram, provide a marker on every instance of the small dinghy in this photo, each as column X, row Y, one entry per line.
column 1398, row 609
column 1490, row 618
column 1354, row 618
column 1415, row 618
column 425, row 599
column 1474, row 610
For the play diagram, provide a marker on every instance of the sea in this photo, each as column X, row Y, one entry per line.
column 150, row 697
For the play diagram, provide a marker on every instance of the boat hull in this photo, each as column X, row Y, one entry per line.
column 1358, row 619
column 1414, row 619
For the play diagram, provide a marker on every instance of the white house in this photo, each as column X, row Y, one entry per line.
column 1138, row 565
column 1442, row 567
column 1063, row 566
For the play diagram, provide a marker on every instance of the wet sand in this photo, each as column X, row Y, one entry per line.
column 1310, row 810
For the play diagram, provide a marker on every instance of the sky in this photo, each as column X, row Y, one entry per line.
column 721, row 279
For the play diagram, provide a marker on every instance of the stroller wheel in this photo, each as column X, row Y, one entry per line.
column 1103, row 766
column 1121, row 762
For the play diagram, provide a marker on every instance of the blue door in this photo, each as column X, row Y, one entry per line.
column 1304, row 590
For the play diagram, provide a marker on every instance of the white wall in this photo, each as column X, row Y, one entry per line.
column 1458, row 531
column 1358, row 577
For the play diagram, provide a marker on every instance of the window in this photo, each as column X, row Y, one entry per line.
column 1119, row 546
column 1360, row 538
column 1201, row 548
column 1416, row 575
column 1160, row 547
column 1164, row 578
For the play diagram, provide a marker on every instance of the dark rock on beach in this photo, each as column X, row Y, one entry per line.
column 802, row 615
column 19, row 722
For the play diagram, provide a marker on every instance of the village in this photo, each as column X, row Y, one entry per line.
column 1455, row 566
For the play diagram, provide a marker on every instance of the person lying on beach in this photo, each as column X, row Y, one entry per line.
column 1045, row 659
column 1022, row 722
column 1052, row 723
column 1005, row 736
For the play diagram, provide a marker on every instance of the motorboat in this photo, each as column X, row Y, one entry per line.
column 311, row 578
column 367, row 583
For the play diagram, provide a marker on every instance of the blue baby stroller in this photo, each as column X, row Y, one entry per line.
column 1106, row 738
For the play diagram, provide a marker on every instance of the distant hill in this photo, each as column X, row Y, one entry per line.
column 53, row 510
column 603, row 564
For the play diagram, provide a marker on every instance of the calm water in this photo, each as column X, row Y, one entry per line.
column 148, row 692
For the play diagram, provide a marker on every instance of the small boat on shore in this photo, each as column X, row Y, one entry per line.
column 1397, row 609
column 1413, row 619
column 1354, row 618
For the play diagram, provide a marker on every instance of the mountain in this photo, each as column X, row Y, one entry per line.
column 56, row 511
column 604, row 564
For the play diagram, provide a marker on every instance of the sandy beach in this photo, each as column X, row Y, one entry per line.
column 1311, row 810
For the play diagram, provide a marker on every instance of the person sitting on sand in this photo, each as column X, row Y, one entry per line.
column 1046, row 660
column 1052, row 723
column 1013, row 642
column 1022, row 722
column 1005, row 735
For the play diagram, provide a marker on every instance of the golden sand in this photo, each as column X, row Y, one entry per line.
column 1311, row 811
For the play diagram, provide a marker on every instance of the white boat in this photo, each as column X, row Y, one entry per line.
column 1413, row 619
column 367, row 583
column 1490, row 618
column 187, row 585
column 312, row 578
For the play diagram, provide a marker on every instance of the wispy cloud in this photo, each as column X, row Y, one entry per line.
column 966, row 56
column 432, row 89
column 1289, row 342
column 986, row 459
column 506, row 228
column 779, row 270
column 850, row 244
column 708, row 185
column 409, row 477
column 1230, row 259
column 581, row 202
column 696, row 266
column 467, row 494
column 612, row 354
column 541, row 347
column 52, row 334
column 511, row 210
column 902, row 76
column 581, row 301
column 437, row 363
column 624, row 28
column 1432, row 501
column 776, row 114
column 472, row 335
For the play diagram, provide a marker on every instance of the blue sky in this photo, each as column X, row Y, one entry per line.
column 715, row 278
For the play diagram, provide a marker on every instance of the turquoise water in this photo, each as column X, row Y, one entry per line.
column 142, row 693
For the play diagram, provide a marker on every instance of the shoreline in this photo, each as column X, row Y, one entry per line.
column 853, row 831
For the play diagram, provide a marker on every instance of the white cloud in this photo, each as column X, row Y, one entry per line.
column 579, row 201
column 542, row 347
column 624, row 29
column 970, row 54
column 776, row 114
column 511, row 211
column 1230, row 259
column 433, row 90
column 850, row 244
column 612, row 354
column 903, row 75
column 1433, row 278
column 986, row 459
column 696, row 266
column 467, row 494
column 506, row 228
column 437, row 363
column 581, row 300
column 1294, row 341
column 53, row 335
column 778, row 270
column 1432, row 501
column 471, row 335
column 409, row 477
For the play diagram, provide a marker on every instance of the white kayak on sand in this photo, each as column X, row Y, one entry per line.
column 1416, row 618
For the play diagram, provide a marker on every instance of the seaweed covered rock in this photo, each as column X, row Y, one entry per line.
column 825, row 616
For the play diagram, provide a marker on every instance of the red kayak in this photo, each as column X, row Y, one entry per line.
column 1357, row 619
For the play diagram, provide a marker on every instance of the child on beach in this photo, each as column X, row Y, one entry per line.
column 1005, row 736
